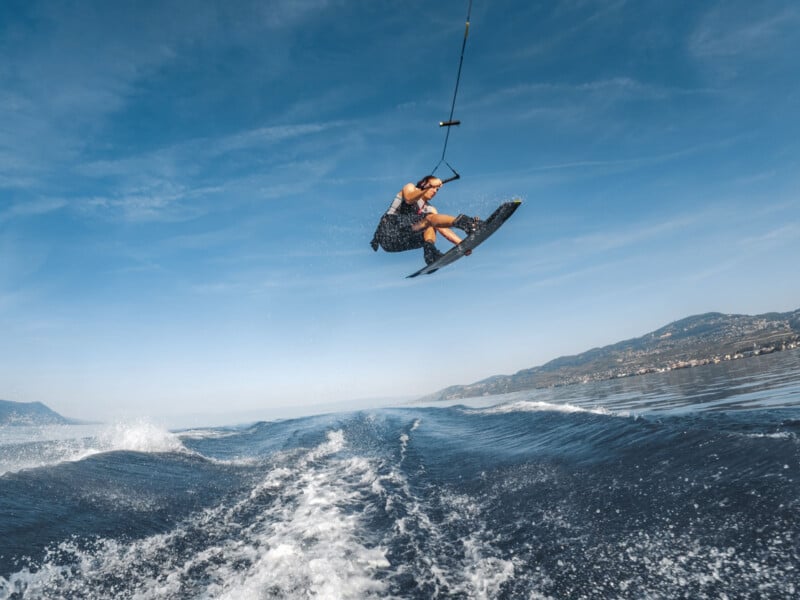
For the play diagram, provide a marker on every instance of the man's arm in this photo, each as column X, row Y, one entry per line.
column 412, row 193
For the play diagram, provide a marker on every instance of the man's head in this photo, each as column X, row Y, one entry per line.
column 430, row 184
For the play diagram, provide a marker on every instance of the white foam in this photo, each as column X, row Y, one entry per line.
column 665, row 561
column 307, row 542
column 53, row 445
column 531, row 406
column 405, row 437
column 299, row 534
column 207, row 434
column 779, row 435
column 483, row 575
column 139, row 436
column 468, row 566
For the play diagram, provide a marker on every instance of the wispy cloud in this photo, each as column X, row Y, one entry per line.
column 732, row 30
column 31, row 208
column 180, row 181
column 206, row 148
column 283, row 13
column 630, row 235
column 737, row 44
column 264, row 137
column 603, row 249
column 63, row 81
column 563, row 23
column 602, row 108
column 141, row 208
column 606, row 92
column 772, row 239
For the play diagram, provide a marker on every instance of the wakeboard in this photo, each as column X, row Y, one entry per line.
column 472, row 241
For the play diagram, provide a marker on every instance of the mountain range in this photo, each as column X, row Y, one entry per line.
column 30, row 413
column 690, row 342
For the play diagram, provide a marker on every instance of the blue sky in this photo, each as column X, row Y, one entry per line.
column 188, row 190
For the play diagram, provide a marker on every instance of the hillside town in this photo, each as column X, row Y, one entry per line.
column 626, row 371
column 696, row 341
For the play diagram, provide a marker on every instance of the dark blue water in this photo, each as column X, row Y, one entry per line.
column 679, row 485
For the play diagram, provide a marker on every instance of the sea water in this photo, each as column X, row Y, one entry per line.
column 677, row 485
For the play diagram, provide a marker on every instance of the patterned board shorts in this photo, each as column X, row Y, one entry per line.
column 395, row 233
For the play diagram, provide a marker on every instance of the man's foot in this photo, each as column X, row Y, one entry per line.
column 468, row 225
column 431, row 253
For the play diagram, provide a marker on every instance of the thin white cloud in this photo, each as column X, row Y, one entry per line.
column 578, row 254
column 547, row 99
column 631, row 235
column 574, row 273
column 285, row 13
column 180, row 181
column 544, row 175
column 190, row 157
column 62, row 80
column 262, row 137
column 773, row 238
column 31, row 208
column 568, row 20
column 164, row 202
column 731, row 30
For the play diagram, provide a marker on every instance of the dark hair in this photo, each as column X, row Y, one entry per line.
column 423, row 183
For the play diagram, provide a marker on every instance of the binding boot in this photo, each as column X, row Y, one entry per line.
column 431, row 253
column 468, row 225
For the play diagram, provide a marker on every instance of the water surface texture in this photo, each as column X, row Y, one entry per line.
column 677, row 485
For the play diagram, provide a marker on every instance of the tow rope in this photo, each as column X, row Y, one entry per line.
column 450, row 122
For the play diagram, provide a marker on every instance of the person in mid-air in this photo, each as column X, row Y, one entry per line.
column 411, row 221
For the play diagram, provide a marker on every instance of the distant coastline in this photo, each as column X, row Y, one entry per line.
column 692, row 342
column 30, row 413
column 695, row 341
